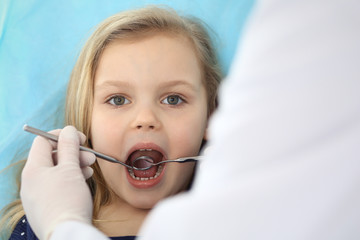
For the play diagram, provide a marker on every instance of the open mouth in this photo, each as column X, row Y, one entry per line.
column 149, row 154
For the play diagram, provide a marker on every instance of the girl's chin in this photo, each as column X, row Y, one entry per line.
column 144, row 204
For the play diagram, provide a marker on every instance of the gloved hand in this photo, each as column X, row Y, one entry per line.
column 55, row 191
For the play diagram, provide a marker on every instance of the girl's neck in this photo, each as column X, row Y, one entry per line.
column 120, row 219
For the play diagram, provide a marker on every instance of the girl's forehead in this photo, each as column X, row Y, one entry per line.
column 158, row 56
column 164, row 40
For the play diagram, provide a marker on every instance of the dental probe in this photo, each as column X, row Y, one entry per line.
column 149, row 160
column 82, row 148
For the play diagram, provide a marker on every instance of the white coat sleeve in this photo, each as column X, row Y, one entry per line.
column 74, row 230
column 285, row 158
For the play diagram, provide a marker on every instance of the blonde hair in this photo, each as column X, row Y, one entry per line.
column 131, row 25
column 11, row 213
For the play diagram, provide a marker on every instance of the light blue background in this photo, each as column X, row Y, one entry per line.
column 39, row 42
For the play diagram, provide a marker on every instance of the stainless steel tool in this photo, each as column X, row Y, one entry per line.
column 150, row 162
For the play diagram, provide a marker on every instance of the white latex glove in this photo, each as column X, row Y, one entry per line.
column 52, row 193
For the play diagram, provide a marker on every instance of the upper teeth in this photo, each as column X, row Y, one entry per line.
column 142, row 150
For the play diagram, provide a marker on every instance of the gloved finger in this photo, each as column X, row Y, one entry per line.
column 57, row 133
column 82, row 137
column 54, row 132
column 68, row 146
column 40, row 154
column 87, row 172
column 86, row 159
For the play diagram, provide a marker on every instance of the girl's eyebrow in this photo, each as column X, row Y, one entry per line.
column 176, row 83
column 112, row 83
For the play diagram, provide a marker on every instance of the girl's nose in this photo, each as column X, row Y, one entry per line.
column 146, row 119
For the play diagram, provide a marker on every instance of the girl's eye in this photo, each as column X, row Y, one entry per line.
column 172, row 100
column 118, row 100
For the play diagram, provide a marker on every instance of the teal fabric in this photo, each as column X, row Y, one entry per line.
column 39, row 42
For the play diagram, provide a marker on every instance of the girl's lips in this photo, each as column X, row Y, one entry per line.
column 149, row 182
column 157, row 173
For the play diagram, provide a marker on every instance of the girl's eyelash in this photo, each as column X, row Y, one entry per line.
column 120, row 101
column 176, row 97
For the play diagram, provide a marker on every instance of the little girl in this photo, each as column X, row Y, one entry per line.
column 145, row 84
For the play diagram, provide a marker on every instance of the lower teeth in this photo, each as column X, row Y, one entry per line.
column 145, row 179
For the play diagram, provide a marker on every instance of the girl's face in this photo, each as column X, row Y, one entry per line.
column 149, row 100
